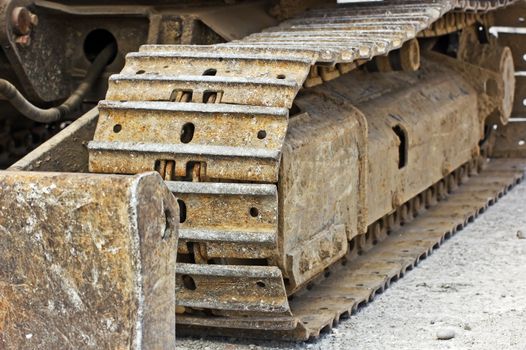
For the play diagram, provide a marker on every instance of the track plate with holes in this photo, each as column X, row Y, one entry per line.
column 228, row 220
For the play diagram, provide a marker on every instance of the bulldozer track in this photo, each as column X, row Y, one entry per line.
column 240, row 94
column 395, row 245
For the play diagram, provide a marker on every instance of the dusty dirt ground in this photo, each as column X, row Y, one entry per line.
column 474, row 286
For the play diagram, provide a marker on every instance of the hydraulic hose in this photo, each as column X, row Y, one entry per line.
column 11, row 93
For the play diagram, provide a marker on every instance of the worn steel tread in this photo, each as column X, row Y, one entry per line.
column 280, row 57
column 242, row 279
column 418, row 15
column 349, row 287
column 260, row 237
column 265, row 91
column 250, row 76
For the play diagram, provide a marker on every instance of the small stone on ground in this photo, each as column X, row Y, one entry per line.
column 445, row 334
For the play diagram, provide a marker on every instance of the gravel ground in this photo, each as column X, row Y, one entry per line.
column 473, row 288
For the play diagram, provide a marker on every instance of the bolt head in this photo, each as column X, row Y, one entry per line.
column 34, row 20
column 21, row 21
column 23, row 40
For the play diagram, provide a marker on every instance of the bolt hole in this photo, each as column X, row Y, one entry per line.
column 254, row 212
column 182, row 210
column 210, row 72
column 281, row 76
column 402, row 146
column 96, row 41
column 262, row 134
column 189, row 283
column 140, row 72
column 117, row 128
column 261, row 284
column 187, row 132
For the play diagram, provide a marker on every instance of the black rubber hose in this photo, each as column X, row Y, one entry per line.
column 10, row 92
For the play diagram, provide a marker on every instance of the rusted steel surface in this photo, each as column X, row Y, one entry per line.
column 211, row 128
column 263, row 91
column 373, row 170
column 47, row 70
column 227, row 61
column 511, row 140
column 224, row 223
column 355, row 162
column 66, row 152
column 493, row 86
column 232, row 289
column 406, row 151
column 87, row 261
column 220, row 114
column 360, row 31
column 407, row 58
column 322, row 186
column 221, row 136
column 352, row 285
column 492, row 58
column 450, row 23
column 218, row 162
column 223, row 220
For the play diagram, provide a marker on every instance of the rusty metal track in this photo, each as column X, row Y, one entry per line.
column 356, row 281
column 225, row 113
column 362, row 31
column 265, row 79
